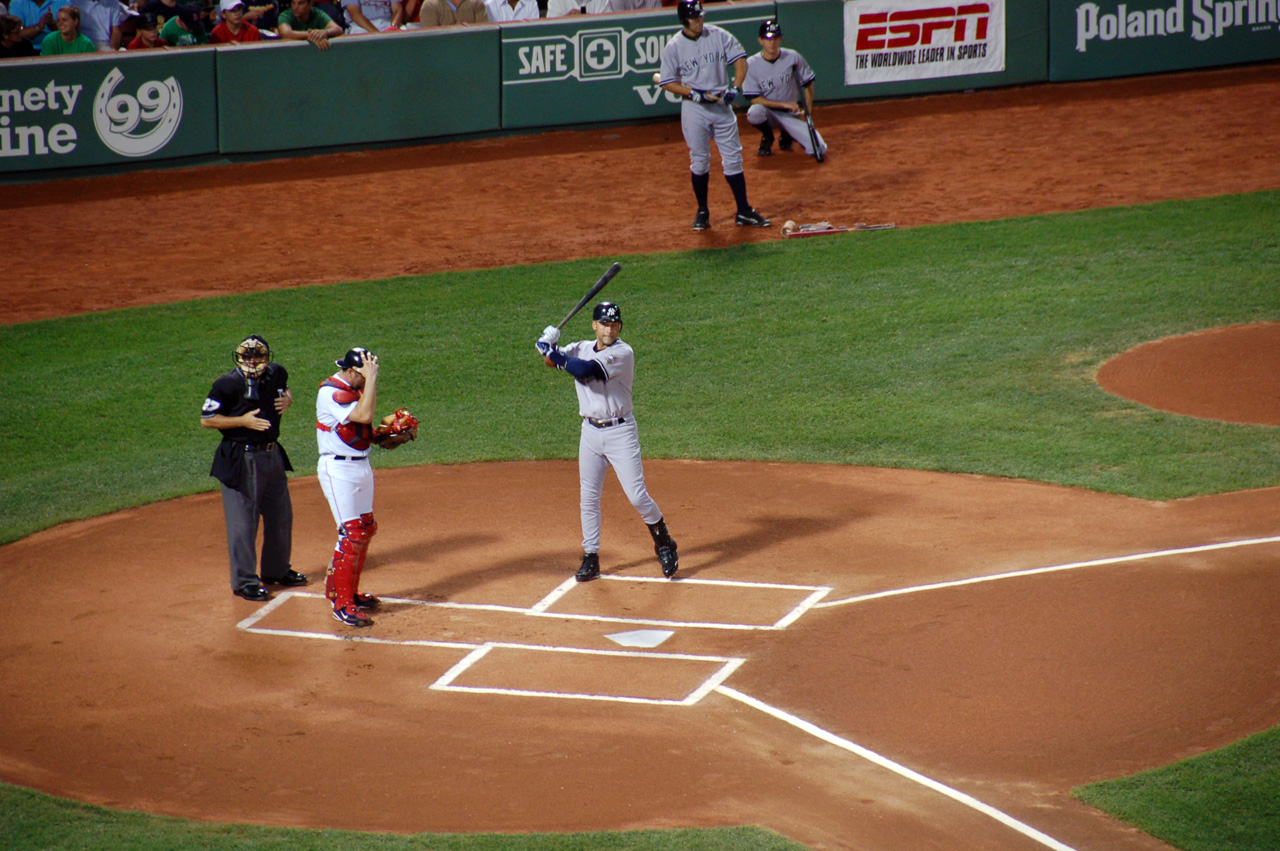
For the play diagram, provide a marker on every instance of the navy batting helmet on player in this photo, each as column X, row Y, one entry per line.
column 687, row 9
column 607, row 311
column 353, row 359
column 770, row 29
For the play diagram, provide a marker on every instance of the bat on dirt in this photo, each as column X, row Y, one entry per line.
column 808, row 119
column 595, row 288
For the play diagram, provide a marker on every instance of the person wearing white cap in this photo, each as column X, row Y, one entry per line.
column 234, row 29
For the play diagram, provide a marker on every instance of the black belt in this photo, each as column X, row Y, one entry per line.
column 606, row 423
column 351, row 457
column 259, row 447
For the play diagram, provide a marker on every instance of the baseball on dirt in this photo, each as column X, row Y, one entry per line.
column 788, row 228
column 657, row 76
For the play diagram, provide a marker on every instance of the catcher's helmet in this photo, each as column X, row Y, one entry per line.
column 252, row 356
column 771, row 29
column 607, row 311
column 687, row 9
column 354, row 358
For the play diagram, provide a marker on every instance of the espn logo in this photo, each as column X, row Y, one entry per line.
column 895, row 30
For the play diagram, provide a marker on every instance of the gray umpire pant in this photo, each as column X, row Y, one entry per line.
column 263, row 492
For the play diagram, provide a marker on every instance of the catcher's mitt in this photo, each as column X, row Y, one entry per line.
column 396, row 429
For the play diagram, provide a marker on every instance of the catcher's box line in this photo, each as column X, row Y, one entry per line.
column 1099, row 562
column 897, row 768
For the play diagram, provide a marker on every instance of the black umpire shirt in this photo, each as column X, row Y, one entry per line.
column 230, row 397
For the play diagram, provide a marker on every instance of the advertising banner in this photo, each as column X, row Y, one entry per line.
column 105, row 109
column 894, row 40
column 1089, row 40
column 585, row 70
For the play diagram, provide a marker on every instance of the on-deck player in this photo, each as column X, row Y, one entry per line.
column 694, row 66
column 775, row 77
column 345, row 409
column 604, row 369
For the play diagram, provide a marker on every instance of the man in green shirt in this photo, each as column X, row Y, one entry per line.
column 184, row 29
column 68, row 39
column 300, row 22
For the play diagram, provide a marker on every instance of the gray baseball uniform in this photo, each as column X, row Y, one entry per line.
column 782, row 80
column 702, row 64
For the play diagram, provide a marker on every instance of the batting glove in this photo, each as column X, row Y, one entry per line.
column 550, row 334
column 696, row 96
column 731, row 93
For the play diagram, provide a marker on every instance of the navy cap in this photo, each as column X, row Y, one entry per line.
column 607, row 311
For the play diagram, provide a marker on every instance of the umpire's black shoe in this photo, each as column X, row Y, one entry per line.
column 784, row 141
column 256, row 593
column 590, row 568
column 766, row 144
column 291, row 579
column 750, row 218
column 702, row 221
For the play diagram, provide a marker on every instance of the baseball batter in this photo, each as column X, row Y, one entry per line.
column 604, row 369
column 694, row 66
column 775, row 78
column 344, row 433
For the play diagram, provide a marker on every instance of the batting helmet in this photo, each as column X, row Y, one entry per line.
column 687, row 9
column 771, row 29
column 354, row 358
column 252, row 356
column 607, row 311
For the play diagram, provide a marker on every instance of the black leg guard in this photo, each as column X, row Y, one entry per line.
column 665, row 547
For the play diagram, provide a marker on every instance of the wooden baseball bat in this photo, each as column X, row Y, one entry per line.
column 595, row 288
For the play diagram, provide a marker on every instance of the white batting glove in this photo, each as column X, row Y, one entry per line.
column 550, row 334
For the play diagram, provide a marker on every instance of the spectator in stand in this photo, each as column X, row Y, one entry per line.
column 68, row 39
column 633, row 5
column 447, row 13
column 12, row 44
column 300, row 22
column 147, row 37
column 373, row 16
column 234, row 29
column 562, row 8
column 502, row 11
column 39, row 18
column 184, row 29
column 100, row 22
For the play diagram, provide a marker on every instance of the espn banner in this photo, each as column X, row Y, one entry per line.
column 888, row 41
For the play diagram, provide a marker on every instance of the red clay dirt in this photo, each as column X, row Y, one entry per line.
column 130, row 684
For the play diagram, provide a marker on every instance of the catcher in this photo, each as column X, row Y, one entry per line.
column 345, row 433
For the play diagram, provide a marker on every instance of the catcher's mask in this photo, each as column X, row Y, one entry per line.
column 252, row 356
column 607, row 311
column 687, row 9
column 354, row 358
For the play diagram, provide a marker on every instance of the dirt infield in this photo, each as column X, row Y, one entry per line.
column 146, row 685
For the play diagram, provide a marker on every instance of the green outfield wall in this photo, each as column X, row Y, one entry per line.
column 119, row 111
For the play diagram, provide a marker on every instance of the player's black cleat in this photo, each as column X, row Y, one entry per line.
column 702, row 221
column 750, row 218
column 590, row 568
column 784, row 141
column 366, row 602
column 669, row 558
column 766, row 144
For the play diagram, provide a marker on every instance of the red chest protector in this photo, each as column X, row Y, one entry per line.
column 355, row 435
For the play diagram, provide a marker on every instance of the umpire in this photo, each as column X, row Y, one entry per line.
column 246, row 405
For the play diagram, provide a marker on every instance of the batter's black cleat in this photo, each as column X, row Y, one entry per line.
column 351, row 616
column 669, row 558
column 702, row 221
column 366, row 602
column 256, row 593
column 750, row 218
column 590, row 568
column 766, row 144
column 784, row 141
column 291, row 579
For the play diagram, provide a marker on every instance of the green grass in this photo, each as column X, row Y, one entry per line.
column 967, row 348
column 1227, row 800
column 31, row 820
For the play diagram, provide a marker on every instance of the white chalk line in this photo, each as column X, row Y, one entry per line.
column 955, row 583
column 897, row 768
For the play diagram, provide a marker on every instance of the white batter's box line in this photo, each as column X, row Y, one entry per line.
column 728, row 665
column 1099, row 562
column 248, row 625
column 897, row 768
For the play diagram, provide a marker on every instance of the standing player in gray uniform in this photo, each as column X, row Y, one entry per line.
column 604, row 369
column 774, row 79
column 694, row 66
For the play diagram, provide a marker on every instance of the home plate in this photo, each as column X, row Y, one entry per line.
column 641, row 637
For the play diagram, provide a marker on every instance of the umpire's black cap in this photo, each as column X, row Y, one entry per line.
column 607, row 311
column 771, row 29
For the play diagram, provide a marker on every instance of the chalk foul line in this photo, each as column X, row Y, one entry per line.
column 897, row 768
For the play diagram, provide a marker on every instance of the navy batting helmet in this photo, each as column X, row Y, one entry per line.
column 607, row 311
column 687, row 9
column 353, row 359
column 770, row 29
